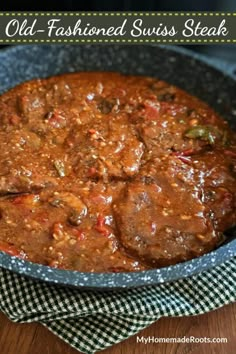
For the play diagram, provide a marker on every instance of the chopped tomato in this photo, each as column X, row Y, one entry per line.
column 80, row 235
column 151, row 110
column 92, row 131
column 14, row 119
column 10, row 249
column 92, row 172
column 230, row 153
column 187, row 152
column 29, row 200
column 116, row 269
column 101, row 226
column 56, row 119
column 184, row 159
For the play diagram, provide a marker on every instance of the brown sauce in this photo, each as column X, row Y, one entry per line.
column 101, row 172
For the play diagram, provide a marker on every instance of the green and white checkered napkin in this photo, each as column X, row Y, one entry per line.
column 92, row 321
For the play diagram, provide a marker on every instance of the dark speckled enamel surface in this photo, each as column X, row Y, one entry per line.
column 203, row 78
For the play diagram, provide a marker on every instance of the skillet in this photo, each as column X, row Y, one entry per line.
column 211, row 81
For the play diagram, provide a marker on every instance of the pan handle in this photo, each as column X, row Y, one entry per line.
column 225, row 66
column 234, row 70
column 222, row 64
column 231, row 69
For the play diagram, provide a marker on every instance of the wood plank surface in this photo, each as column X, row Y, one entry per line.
column 35, row 339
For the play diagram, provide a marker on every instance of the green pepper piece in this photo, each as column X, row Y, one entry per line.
column 203, row 132
column 226, row 139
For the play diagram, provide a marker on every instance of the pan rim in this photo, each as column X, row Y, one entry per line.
column 111, row 281
column 125, row 280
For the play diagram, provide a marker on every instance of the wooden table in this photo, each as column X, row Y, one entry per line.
column 35, row 339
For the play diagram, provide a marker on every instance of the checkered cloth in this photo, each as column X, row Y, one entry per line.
column 91, row 321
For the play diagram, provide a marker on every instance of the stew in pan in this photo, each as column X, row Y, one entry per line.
column 102, row 172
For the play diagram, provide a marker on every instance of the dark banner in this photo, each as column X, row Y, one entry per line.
column 118, row 27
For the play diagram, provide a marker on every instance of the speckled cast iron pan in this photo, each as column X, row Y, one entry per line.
column 201, row 77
